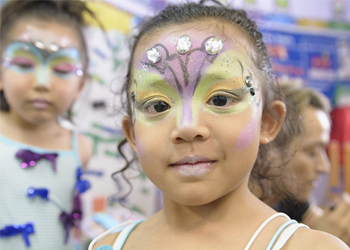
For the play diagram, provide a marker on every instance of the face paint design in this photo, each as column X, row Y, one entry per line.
column 28, row 57
column 184, row 85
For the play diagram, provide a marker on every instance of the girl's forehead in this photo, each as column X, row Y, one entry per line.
column 169, row 37
column 47, row 33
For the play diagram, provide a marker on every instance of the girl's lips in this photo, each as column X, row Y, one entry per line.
column 193, row 165
column 192, row 160
column 40, row 104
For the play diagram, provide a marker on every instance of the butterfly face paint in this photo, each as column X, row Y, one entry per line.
column 184, row 85
column 28, row 57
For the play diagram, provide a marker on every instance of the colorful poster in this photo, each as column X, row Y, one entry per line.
column 307, row 59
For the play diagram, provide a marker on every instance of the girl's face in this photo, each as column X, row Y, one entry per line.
column 196, row 115
column 41, row 71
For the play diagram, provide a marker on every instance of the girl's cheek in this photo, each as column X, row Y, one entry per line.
column 248, row 133
column 139, row 148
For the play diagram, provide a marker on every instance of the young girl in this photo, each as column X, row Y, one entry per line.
column 200, row 105
column 44, row 62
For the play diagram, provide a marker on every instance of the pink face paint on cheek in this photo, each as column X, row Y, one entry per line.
column 138, row 147
column 247, row 135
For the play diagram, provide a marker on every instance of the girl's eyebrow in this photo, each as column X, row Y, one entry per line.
column 33, row 43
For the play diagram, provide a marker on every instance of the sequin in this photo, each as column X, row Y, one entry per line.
column 248, row 81
column 29, row 158
column 252, row 91
column 79, row 72
column 213, row 45
column 41, row 192
column 183, row 44
column 153, row 55
column 132, row 96
column 18, row 229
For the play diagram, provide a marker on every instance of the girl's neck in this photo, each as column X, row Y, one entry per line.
column 18, row 123
column 233, row 207
column 46, row 134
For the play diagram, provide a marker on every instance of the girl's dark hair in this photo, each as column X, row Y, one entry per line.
column 69, row 12
column 190, row 13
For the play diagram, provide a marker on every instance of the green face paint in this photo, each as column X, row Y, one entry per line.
column 25, row 58
column 186, row 85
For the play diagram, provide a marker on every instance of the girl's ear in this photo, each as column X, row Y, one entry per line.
column 128, row 129
column 271, row 122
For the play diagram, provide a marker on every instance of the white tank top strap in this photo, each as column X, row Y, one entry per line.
column 124, row 234
column 121, row 225
column 286, row 234
column 279, row 231
column 252, row 239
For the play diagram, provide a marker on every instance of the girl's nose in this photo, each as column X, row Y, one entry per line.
column 189, row 133
column 323, row 164
column 43, row 76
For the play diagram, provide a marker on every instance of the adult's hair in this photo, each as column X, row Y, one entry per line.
column 191, row 13
column 68, row 12
column 301, row 98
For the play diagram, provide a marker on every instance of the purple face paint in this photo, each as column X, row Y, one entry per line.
column 247, row 135
column 138, row 146
column 181, row 71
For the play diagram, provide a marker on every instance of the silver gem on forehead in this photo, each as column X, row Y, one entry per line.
column 154, row 55
column 183, row 44
column 213, row 45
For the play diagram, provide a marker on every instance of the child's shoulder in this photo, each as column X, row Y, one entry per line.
column 305, row 238
column 85, row 149
column 107, row 240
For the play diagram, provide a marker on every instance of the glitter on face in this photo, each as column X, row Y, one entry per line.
column 184, row 44
column 213, row 45
column 186, row 84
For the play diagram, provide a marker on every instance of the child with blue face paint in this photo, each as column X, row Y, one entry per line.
column 44, row 66
column 202, row 113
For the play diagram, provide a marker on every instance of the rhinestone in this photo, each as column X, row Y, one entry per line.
column 213, row 45
column 132, row 96
column 183, row 44
column 252, row 91
column 53, row 47
column 153, row 55
column 39, row 45
column 79, row 72
column 248, row 81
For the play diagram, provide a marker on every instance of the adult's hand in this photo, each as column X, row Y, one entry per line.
column 335, row 221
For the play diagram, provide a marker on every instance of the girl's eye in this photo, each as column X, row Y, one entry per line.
column 64, row 68
column 22, row 62
column 220, row 101
column 157, row 107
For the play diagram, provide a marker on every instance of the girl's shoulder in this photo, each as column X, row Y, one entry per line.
column 106, row 240
column 305, row 238
column 85, row 149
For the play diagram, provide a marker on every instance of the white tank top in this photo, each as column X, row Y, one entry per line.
column 277, row 242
